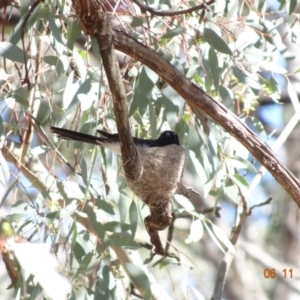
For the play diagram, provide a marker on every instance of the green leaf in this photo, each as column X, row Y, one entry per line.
column 151, row 75
column 14, row 217
column 168, row 261
column 6, row 230
column 138, row 276
column 35, row 292
column 220, row 234
column 86, row 261
column 239, row 180
column 216, row 41
column 105, row 206
column 70, row 90
column 152, row 119
column 61, row 63
column 84, row 171
column 21, row 95
column 123, row 240
column 207, row 225
column 136, row 22
column 231, row 191
column 53, row 215
column 115, row 227
column 16, row 33
column 173, row 32
column 191, row 71
column 214, row 67
column 133, row 217
column 11, row 52
column 292, row 6
column 98, row 227
column 142, row 93
column 245, row 162
column 196, row 232
column 78, row 251
column 72, row 234
column 73, row 32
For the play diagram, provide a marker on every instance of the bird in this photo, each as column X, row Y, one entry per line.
column 111, row 141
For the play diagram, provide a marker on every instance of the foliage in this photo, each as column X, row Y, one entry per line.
column 74, row 196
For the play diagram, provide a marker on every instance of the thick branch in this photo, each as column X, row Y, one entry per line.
column 94, row 21
column 197, row 98
column 130, row 157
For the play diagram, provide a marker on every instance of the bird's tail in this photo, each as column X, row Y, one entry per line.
column 76, row 136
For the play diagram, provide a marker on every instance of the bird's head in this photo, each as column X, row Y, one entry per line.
column 168, row 137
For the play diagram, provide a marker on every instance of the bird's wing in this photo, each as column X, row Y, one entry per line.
column 140, row 143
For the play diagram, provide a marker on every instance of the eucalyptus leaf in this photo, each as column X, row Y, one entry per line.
column 71, row 88
column 105, row 206
column 84, row 171
column 136, row 22
column 138, row 276
column 16, row 33
column 73, row 32
column 220, row 234
column 214, row 67
column 98, row 227
column 123, row 240
column 117, row 227
column 133, row 217
column 216, row 41
column 173, row 32
column 11, row 52
column 292, row 6
column 142, row 92
column 196, row 232
column 249, row 166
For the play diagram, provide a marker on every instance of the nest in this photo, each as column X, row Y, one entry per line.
column 162, row 173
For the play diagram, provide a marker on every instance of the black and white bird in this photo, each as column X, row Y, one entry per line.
column 111, row 141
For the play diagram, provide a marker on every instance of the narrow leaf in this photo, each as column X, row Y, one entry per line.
column 98, row 227
column 245, row 162
column 133, row 217
column 105, row 206
column 173, row 32
column 136, row 22
column 196, row 232
column 11, row 52
column 214, row 67
column 216, row 41
column 123, row 240
column 220, row 234
column 138, row 276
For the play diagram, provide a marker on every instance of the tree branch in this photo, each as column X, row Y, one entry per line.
column 197, row 98
column 155, row 12
column 94, row 21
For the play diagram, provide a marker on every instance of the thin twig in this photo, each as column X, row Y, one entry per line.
column 33, row 7
column 258, row 205
column 155, row 12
